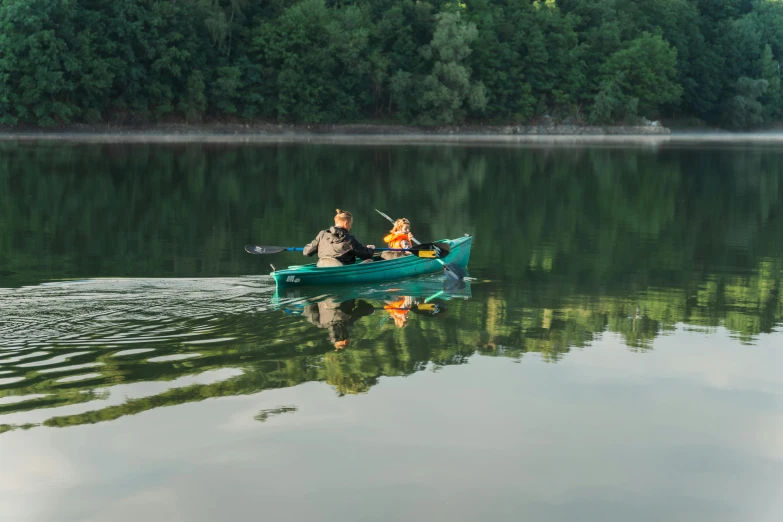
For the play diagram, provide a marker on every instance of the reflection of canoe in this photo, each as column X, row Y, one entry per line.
column 337, row 306
column 310, row 275
column 422, row 287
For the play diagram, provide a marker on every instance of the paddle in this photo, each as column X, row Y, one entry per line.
column 426, row 250
column 452, row 270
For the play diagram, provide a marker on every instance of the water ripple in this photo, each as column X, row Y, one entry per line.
column 70, row 343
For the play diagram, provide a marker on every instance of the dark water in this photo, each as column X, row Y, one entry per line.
column 615, row 355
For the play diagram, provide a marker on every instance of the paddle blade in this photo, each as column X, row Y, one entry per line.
column 451, row 285
column 262, row 249
column 454, row 272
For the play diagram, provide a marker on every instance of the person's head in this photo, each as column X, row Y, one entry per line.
column 343, row 219
column 401, row 226
column 400, row 320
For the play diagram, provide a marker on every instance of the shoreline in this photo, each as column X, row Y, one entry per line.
column 332, row 133
column 379, row 134
column 348, row 129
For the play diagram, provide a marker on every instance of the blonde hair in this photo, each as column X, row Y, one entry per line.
column 400, row 321
column 399, row 224
column 343, row 216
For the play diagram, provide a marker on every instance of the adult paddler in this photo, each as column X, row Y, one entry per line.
column 335, row 246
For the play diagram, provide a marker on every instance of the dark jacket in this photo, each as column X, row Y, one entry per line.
column 336, row 316
column 337, row 243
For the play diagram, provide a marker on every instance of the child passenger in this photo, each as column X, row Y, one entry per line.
column 399, row 237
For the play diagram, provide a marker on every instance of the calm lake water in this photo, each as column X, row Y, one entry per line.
column 616, row 355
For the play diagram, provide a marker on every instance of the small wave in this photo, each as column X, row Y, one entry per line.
column 54, row 360
column 70, row 368
column 60, row 340
column 83, row 377
column 134, row 351
column 175, row 357
column 209, row 341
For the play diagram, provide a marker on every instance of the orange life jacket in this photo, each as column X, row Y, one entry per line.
column 397, row 307
column 395, row 240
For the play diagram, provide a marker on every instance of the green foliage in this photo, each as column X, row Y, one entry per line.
column 640, row 77
column 698, row 65
column 611, row 103
column 225, row 89
column 770, row 73
column 328, row 82
column 552, row 60
column 497, row 59
column 744, row 110
column 194, row 103
column 49, row 70
column 64, row 61
column 448, row 88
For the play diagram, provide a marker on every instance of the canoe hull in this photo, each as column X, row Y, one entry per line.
column 386, row 270
column 420, row 287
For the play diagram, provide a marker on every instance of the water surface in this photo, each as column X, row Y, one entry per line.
column 615, row 354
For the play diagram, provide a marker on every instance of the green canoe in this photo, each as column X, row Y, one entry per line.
column 385, row 270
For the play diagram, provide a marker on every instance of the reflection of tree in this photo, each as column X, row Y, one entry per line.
column 285, row 350
column 578, row 242
column 67, row 211
column 264, row 415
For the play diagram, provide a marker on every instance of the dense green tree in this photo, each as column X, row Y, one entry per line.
column 50, row 71
column 316, row 62
column 744, row 110
column 400, row 33
column 770, row 73
column 64, row 61
column 447, row 90
column 639, row 78
column 770, row 17
column 698, row 66
column 552, row 61
column 602, row 28
column 497, row 59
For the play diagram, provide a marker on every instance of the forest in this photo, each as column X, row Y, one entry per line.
column 126, row 62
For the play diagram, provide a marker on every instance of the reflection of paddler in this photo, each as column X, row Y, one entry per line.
column 336, row 316
column 398, row 310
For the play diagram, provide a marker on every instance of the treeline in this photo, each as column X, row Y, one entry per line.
column 436, row 62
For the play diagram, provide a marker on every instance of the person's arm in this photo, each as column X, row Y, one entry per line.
column 361, row 251
column 312, row 247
